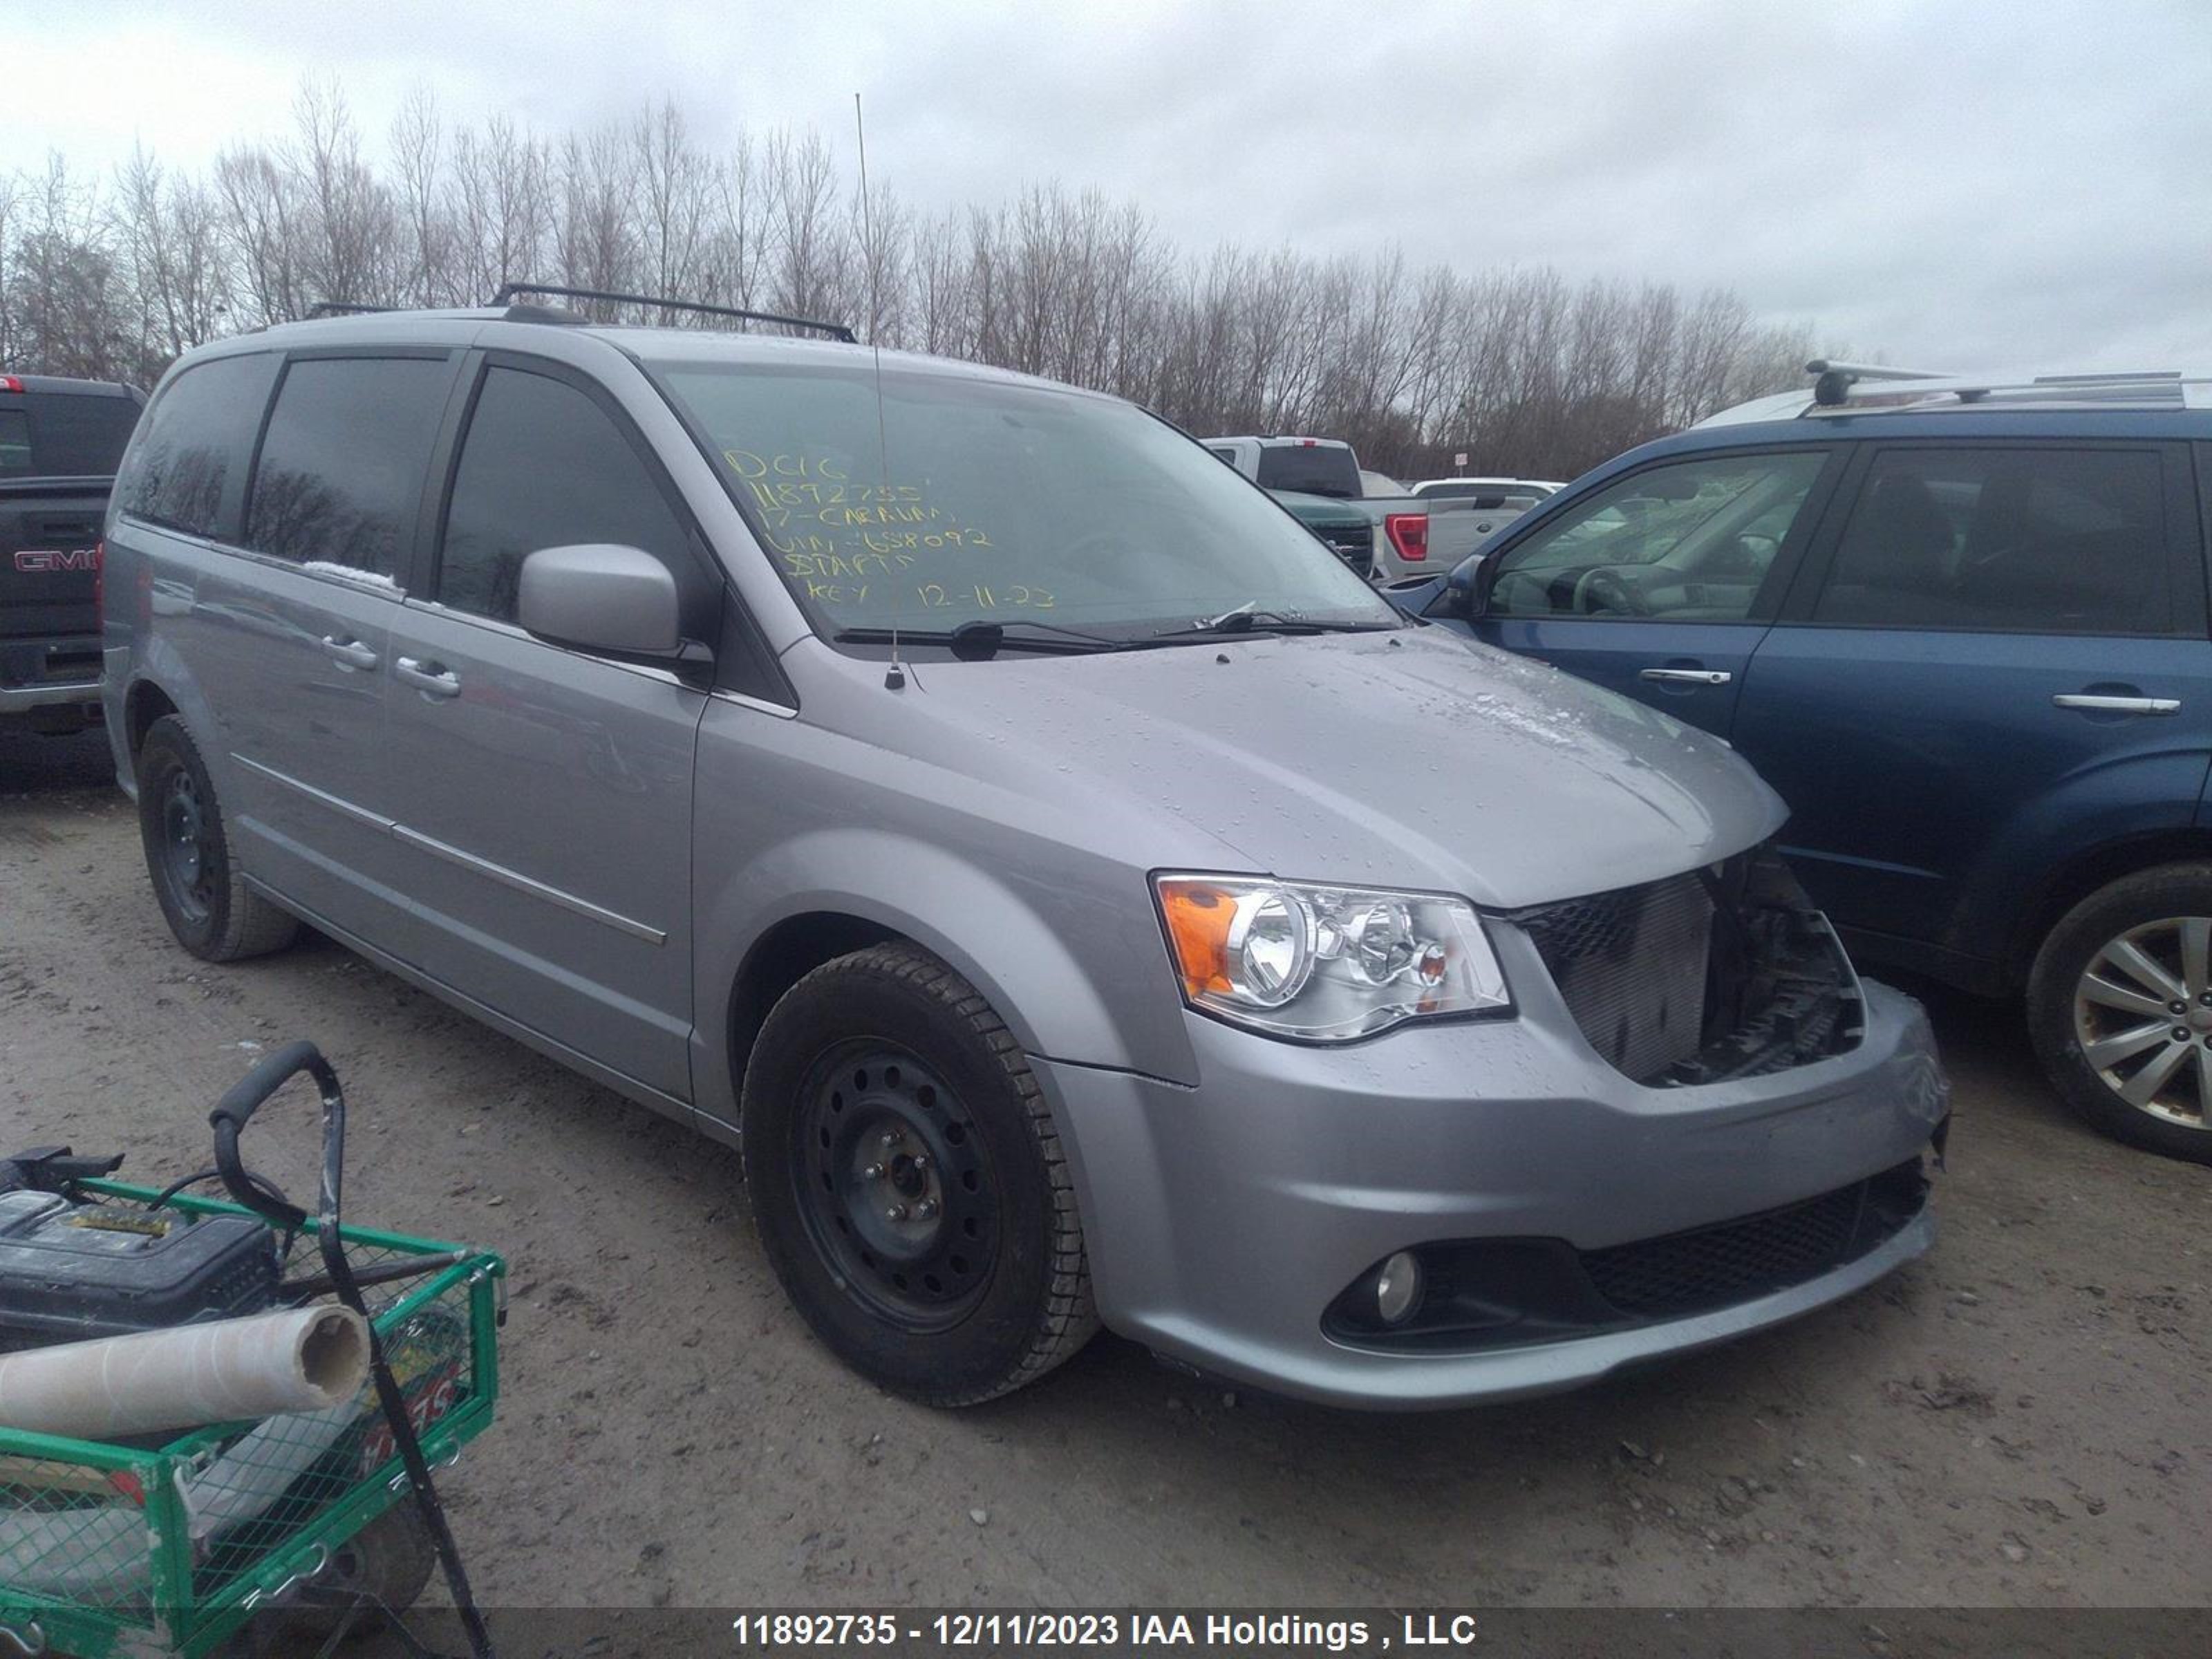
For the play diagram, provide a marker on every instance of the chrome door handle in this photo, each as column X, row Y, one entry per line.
column 1686, row 676
column 428, row 678
column 349, row 654
column 2117, row 705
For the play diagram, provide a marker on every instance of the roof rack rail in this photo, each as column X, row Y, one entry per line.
column 346, row 308
column 1834, row 379
column 835, row 330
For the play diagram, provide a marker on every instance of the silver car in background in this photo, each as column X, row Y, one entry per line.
column 1081, row 898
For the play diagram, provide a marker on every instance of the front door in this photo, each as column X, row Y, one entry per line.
column 1659, row 585
column 542, row 794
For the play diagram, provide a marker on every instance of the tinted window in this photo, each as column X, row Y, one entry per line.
column 340, row 477
column 543, row 465
column 78, row 434
column 1692, row 541
column 1316, row 469
column 15, row 440
column 2025, row 540
column 187, row 468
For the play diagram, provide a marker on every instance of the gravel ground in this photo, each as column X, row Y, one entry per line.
column 2021, row 1420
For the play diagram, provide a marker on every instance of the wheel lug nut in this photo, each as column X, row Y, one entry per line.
column 921, row 1160
column 925, row 1210
column 890, row 1139
column 2177, row 1007
column 2181, row 1034
column 874, row 1172
column 897, row 1212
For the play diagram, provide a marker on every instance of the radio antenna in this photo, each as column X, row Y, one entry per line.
column 896, row 679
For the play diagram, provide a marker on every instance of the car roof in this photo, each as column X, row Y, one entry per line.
column 1846, row 389
column 510, row 328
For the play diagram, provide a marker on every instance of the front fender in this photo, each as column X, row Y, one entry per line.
column 994, row 932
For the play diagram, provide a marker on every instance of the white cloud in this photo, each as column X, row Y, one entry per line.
column 1966, row 182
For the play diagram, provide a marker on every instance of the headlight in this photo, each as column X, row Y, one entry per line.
column 1325, row 964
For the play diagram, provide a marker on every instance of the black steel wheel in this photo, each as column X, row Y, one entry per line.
column 893, row 1186
column 908, row 1182
column 189, row 865
column 196, row 881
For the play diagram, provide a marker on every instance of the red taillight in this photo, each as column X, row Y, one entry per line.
column 9, row 383
column 1409, row 534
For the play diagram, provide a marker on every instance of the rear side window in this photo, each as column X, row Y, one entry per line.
column 2027, row 541
column 187, row 469
column 75, row 435
column 543, row 466
column 1315, row 469
column 340, row 477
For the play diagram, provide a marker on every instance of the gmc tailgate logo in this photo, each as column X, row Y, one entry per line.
column 33, row 562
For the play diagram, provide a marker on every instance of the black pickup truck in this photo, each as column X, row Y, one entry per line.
column 60, row 441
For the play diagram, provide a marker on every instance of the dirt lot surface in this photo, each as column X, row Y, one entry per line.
column 2021, row 1418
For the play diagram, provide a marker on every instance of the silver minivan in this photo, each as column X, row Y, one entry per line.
column 1080, row 897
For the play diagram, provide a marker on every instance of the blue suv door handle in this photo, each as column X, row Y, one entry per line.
column 2117, row 705
column 1687, row 675
column 431, row 679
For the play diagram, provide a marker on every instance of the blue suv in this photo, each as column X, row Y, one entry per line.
column 1961, row 627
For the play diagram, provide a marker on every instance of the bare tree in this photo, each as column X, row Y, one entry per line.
column 1518, row 368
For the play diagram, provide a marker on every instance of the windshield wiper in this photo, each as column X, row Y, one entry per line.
column 1247, row 618
column 978, row 640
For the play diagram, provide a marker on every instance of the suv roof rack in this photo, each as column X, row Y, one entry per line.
column 507, row 291
column 1838, row 389
column 346, row 308
column 1833, row 381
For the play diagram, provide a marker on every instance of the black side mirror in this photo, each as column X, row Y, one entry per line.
column 1466, row 590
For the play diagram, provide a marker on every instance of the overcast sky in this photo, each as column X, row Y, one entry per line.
column 1954, row 185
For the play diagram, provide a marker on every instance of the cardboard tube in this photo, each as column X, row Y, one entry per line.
column 303, row 1359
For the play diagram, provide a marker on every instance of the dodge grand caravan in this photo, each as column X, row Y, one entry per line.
column 1018, row 836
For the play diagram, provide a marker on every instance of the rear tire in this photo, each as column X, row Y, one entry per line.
column 908, row 1182
column 202, row 891
column 2119, row 1008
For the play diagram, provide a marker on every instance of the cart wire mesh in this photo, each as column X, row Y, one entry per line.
column 168, row 1547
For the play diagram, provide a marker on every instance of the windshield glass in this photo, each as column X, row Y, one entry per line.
column 972, row 499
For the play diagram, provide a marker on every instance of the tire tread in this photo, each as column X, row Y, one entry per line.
column 1070, row 1315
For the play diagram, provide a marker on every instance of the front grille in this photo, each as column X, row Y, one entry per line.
column 1710, row 1267
column 1630, row 965
column 1723, row 973
column 1489, row 1293
column 1355, row 547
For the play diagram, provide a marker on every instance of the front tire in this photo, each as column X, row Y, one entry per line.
column 2119, row 1007
column 908, row 1181
column 202, row 892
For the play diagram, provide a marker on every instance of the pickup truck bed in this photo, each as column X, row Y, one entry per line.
column 60, row 441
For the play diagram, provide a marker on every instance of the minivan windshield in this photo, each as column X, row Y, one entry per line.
column 971, row 500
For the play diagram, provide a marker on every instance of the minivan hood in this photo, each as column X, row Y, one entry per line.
column 1412, row 758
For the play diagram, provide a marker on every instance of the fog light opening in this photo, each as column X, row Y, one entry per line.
column 1398, row 1288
